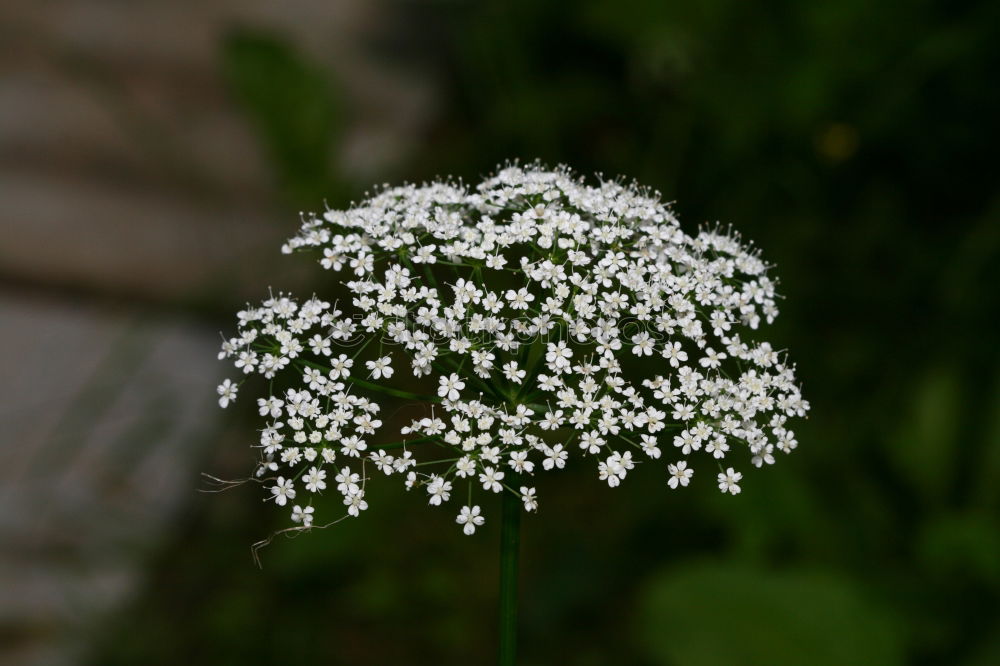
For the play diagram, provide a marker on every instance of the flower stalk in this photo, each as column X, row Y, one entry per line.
column 510, row 545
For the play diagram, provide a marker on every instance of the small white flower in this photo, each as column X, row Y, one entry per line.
column 465, row 467
column 347, row 482
column 320, row 345
column 728, row 481
column 673, row 353
column 450, row 386
column 270, row 407
column 513, row 373
column 520, row 299
column 491, row 478
column 643, row 345
column 340, row 367
column 470, row 519
column 247, row 361
column 558, row 356
column 355, row 503
column 555, row 457
column 283, row 491
column 304, row 516
column 679, row 474
column 649, row 447
column 227, row 393
column 520, row 464
column 439, row 490
column 352, row 446
column 711, row 359
column 380, row 367
column 314, row 480
column 529, row 499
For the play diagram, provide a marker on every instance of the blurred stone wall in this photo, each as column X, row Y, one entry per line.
column 124, row 164
column 133, row 187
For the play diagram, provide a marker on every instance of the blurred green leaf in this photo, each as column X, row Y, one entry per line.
column 987, row 654
column 989, row 482
column 291, row 105
column 719, row 613
column 924, row 450
column 966, row 546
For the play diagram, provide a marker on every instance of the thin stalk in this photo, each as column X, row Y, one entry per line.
column 392, row 391
column 397, row 445
column 510, row 543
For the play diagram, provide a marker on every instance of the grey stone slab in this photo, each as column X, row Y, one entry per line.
column 105, row 419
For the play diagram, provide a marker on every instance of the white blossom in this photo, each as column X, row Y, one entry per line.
column 282, row 491
column 728, row 481
column 380, row 367
column 227, row 393
column 532, row 319
column 679, row 474
column 314, row 479
column 529, row 499
column 470, row 519
column 304, row 516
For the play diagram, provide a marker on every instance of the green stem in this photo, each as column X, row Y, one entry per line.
column 510, row 542
column 397, row 445
column 392, row 391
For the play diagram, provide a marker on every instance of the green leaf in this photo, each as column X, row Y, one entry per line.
column 718, row 613
column 925, row 449
column 291, row 106
column 962, row 546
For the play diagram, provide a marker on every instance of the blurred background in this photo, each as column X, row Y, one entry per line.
column 153, row 156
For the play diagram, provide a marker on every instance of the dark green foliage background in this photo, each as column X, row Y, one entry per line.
column 856, row 144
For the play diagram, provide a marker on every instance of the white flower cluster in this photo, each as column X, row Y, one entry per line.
column 541, row 315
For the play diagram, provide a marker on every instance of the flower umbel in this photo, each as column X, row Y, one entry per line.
column 540, row 315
